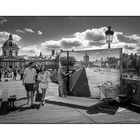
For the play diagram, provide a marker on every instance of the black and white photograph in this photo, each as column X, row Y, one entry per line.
column 69, row 69
column 94, row 64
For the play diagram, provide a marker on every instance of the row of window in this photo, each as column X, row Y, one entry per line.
column 10, row 53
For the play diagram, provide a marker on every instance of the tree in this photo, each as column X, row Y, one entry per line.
column 64, row 62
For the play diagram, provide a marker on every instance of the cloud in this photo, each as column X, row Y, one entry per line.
column 95, row 43
column 128, row 39
column 92, row 35
column 3, row 21
column 16, row 38
column 25, row 30
column 5, row 35
column 30, row 50
column 88, row 40
column 70, row 43
column 28, row 30
column 130, row 46
column 49, row 45
column 19, row 31
column 39, row 33
column 64, row 43
column 93, row 38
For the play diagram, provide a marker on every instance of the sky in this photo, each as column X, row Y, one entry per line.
column 35, row 34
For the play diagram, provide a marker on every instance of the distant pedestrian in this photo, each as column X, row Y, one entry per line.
column 21, row 73
column 43, row 77
column 29, row 81
column 5, row 73
column 14, row 74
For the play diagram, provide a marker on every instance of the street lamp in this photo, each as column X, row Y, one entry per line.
column 109, row 36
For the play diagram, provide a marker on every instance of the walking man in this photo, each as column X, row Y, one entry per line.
column 29, row 81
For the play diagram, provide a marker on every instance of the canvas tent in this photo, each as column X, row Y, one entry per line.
column 78, row 84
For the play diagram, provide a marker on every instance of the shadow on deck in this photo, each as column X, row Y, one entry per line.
column 102, row 107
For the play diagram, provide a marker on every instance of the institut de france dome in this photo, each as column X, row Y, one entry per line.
column 10, row 56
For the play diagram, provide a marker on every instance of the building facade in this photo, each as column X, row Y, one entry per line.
column 10, row 58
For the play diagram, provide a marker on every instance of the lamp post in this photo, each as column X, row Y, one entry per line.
column 109, row 36
column 67, row 79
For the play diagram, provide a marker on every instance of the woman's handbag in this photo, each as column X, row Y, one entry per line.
column 38, row 97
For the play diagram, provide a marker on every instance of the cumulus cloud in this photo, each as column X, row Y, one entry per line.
column 70, row 42
column 16, row 37
column 96, row 43
column 92, row 35
column 39, row 33
column 87, row 40
column 30, row 50
column 64, row 43
column 3, row 21
column 49, row 45
column 5, row 35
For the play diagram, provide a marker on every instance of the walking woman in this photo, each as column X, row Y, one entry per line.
column 43, row 77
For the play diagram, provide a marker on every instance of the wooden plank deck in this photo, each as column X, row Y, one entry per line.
column 70, row 110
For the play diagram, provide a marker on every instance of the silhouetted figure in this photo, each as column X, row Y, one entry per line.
column 14, row 74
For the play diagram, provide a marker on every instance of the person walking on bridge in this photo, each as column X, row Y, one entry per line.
column 29, row 80
column 43, row 77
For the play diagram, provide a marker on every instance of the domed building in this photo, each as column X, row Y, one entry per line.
column 10, row 56
column 86, row 60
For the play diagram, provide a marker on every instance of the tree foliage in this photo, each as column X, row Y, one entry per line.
column 64, row 61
